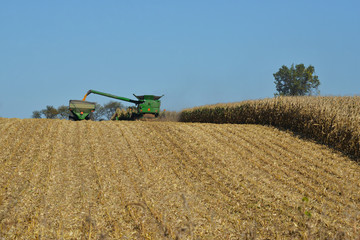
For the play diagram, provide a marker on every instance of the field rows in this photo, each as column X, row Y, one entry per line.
column 160, row 180
column 333, row 121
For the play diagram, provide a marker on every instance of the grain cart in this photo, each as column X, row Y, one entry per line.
column 80, row 110
column 147, row 106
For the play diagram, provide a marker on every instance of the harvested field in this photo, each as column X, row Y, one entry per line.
column 334, row 121
column 162, row 180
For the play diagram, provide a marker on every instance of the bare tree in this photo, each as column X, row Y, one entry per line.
column 50, row 112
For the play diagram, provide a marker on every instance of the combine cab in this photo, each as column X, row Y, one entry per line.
column 81, row 110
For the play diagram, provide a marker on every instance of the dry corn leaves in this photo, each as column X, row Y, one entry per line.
column 161, row 180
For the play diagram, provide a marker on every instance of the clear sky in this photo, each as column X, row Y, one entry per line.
column 196, row 52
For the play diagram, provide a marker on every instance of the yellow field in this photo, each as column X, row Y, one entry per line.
column 334, row 121
column 161, row 180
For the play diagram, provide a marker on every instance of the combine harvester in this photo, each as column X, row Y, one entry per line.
column 146, row 106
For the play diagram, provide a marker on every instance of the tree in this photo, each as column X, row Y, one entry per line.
column 36, row 114
column 296, row 81
column 49, row 112
column 63, row 112
column 101, row 112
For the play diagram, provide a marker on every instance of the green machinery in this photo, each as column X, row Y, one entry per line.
column 147, row 106
column 81, row 110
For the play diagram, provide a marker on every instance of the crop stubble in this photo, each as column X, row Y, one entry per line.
column 161, row 180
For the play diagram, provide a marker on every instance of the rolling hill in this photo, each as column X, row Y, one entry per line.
column 169, row 180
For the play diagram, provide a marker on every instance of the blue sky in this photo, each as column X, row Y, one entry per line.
column 195, row 52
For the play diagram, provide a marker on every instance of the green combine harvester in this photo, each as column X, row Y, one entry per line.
column 146, row 106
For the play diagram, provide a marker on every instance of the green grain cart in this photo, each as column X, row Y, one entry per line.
column 81, row 110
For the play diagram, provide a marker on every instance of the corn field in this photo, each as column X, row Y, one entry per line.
column 334, row 121
column 169, row 180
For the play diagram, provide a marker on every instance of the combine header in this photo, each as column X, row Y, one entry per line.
column 147, row 106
